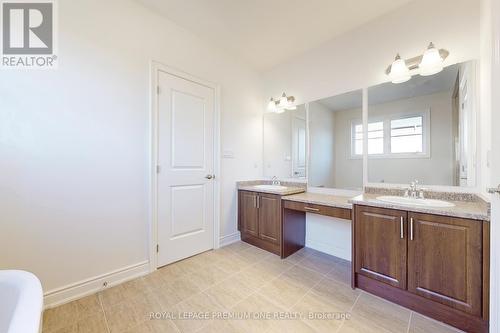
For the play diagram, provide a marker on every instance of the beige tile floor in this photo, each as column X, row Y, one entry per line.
column 309, row 290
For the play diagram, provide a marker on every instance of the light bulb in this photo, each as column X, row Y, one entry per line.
column 272, row 105
column 399, row 71
column 283, row 101
column 432, row 62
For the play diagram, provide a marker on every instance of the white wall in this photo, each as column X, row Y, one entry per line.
column 329, row 234
column 435, row 170
column 74, row 142
column 321, row 146
column 359, row 58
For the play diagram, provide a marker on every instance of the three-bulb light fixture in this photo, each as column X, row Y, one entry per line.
column 282, row 104
column 430, row 63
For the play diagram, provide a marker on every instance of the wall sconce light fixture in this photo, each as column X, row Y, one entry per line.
column 429, row 63
column 282, row 104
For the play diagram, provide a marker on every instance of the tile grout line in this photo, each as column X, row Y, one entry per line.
column 409, row 322
column 104, row 313
column 324, row 276
column 254, row 291
column 220, row 282
column 350, row 311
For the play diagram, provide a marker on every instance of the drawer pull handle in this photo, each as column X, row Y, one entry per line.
column 311, row 209
column 411, row 228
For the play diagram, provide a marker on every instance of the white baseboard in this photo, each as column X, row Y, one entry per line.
column 336, row 251
column 91, row 286
column 229, row 239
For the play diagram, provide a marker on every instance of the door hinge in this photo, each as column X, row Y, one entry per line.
column 158, row 169
column 158, row 90
column 157, row 248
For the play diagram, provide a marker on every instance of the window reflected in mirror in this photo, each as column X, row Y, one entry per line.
column 422, row 129
column 336, row 142
column 285, row 143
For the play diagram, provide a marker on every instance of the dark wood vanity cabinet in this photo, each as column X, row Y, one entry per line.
column 435, row 265
column 381, row 254
column 269, row 207
column 259, row 220
column 248, row 213
column 445, row 261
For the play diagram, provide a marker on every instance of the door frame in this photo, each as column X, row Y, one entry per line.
column 494, row 42
column 155, row 68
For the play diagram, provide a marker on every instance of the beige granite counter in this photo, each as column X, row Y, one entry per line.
column 321, row 199
column 291, row 187
column 476, row 210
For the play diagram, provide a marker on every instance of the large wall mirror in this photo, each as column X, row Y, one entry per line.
column 331, row 162
column 424, row 129
column 285, row 144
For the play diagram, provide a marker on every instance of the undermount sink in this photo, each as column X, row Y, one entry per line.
column 271, row 187
column 415, row 201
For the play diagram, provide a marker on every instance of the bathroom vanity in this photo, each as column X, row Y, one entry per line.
column 432, row 260
column 276, row 222
column 260, row 214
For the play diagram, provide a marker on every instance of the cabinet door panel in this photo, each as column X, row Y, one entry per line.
column 248, row 213
column 444, row 261
column 270, row 218
column 381, row 244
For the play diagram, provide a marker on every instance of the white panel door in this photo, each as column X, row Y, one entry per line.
column 186, row 165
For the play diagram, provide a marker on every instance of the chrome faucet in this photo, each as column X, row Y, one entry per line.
column 275, row 181
column 414, row 192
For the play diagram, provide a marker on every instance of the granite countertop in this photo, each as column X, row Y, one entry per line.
column 291, row 187
column 476, row 210
column 321, row 199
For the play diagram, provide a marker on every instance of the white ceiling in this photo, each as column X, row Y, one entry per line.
column 265, row 33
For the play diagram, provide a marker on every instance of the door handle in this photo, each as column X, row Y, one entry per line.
column 210, row 176
column 402, row 234
column 411, row 228
column 258, row 201
column 493, row 190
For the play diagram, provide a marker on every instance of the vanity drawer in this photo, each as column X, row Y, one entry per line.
column 341, row 213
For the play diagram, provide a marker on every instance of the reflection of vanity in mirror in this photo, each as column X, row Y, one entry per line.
column 423, row 129
column 285, row 143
